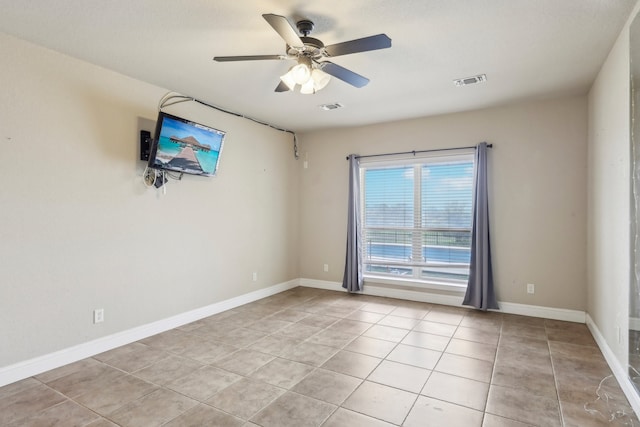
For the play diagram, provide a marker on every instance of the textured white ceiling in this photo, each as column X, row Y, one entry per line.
column 527, row 48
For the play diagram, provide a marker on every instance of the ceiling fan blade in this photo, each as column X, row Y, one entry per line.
column 284, row 28
column 247, row 58
column 343, row 74
column 282, row 87
column 380, row 41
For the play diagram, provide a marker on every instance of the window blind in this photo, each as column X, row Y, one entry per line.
column 417, row 217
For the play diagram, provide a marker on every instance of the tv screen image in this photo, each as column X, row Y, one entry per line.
column 185, row 146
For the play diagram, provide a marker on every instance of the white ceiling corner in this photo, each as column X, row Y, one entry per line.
column 527, row 49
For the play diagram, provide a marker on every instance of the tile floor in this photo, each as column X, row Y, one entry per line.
column 309, row 357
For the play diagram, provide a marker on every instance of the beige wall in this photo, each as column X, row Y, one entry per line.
column 609, row 197
column 538, row 192
column 79, row 231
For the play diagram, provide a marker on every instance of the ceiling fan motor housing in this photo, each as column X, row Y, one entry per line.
column 313, row 48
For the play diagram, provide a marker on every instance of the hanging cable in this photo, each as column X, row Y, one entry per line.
column 173, row 176
column 172, row 98
column 149, row 176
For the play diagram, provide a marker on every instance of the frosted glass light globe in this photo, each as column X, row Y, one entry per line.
column 300, row 73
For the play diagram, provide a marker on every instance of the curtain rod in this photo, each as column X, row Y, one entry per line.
column 420, row 151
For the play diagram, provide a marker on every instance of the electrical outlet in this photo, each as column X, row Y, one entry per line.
column 531, row 288
column 98, row 315
column 255, row 276
column 326, row 268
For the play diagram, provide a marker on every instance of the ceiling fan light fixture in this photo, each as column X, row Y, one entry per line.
column 287, row 79
column 308, row 88
column 320, row 79
column 300, row 73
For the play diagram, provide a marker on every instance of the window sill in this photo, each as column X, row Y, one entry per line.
column 416, row 283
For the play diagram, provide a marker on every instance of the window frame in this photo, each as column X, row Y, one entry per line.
column 416, row 279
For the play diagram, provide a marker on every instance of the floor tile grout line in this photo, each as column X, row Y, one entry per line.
column 373, row 370
column 411, row 409
column 100, row 416
column 493, row 372
column 343, row 348
column 555, row 378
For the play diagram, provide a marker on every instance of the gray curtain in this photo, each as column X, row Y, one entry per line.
column 352, row 280
column 480, row 293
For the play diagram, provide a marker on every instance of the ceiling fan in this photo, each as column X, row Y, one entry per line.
column 312, row 72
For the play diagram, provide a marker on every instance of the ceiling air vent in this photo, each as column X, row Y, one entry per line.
column 329, row 107
column 471, row 80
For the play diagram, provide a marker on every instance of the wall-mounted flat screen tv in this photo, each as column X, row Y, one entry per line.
column 181, row 145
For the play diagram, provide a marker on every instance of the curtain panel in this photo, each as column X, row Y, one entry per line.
column 480, row 293
column 353, row 279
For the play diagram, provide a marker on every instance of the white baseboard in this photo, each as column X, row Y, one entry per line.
column 567, row 315
column 634, row 323
column 618, row 370
column 38, row 365
column 380, row 291
column 453, row 300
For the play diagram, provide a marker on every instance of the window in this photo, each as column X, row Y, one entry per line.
column 416, row 218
